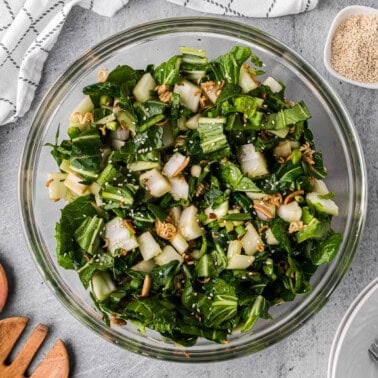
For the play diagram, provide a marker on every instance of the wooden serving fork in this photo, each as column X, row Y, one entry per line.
column 54, row 365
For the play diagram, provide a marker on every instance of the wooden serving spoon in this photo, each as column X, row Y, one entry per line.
column 54, row 365
column 3, row 288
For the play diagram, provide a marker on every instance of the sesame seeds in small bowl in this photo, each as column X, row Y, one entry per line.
column 351, row 50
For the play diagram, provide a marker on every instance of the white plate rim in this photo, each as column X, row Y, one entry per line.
column 345, row 323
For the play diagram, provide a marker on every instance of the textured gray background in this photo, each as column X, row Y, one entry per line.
column 303, row 354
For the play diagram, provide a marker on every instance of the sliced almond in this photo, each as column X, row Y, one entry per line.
column 183, row 165
column 102, row 75
column 263, row 210
column 146, row 287
column 292, row 195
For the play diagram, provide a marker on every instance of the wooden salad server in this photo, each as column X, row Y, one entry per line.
column 3, row 288
column 54, row 365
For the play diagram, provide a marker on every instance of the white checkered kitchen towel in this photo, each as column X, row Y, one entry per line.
column 29, row 29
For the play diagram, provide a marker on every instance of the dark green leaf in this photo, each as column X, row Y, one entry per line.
column 227, row 66
column 122, row 74
column 316, row 229
column 279, row 230
column 103, row 261
column 318, row 170
column 287, row 117
column 219, row 304
column 287, row 174
column 257, row 309
column 229, row 91
column 326, row 250
column 153, row 313
column 99, row 89
column 88, row 234
column 205, row 267
column 162, row 276
column 72, row 215
column 168, row 72
column 86, row 155
column 99, row 113
column 232, row 176
column 157, row 211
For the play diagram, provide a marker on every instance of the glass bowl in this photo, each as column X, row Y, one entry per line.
column 154, row 42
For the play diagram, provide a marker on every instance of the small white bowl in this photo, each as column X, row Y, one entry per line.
column 353, row 10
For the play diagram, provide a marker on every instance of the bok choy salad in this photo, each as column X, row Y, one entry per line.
column 196, row 198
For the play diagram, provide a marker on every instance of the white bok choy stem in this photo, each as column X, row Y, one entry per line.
column 101, row 285
column 192, row 122
column 119, row 236
column 148, row 246
column 95, row 189
column 319, row 186
column 282, row 150
column 252, row 162
column 144, row 266
column 120, row 133
column 189, row 93
column 273, row 84
column 74, row 183
column 55, row 184
column 179, row 187
column 179, row 243
column 85, row 106
column 175, row 165
column 155, row 183
column 270, row 238
column 216, row 213
column 251, row 240
column 167, row 255
column 325, row 206
column 211, row 90
column 175, row 214
column 291, row 212
column 234, row 248
column 143, row 88
column 188, row 224
column 247, row 81
column 240, row 261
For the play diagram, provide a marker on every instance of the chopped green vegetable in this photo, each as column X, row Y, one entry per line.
column 88, row 234
column 227, row 66
column 211, row 135
column 168, row 72
column 196, row 199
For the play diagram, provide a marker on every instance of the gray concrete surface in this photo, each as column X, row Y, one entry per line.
column 303, row 354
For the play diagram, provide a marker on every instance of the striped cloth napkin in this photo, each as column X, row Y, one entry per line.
column 250, row 8
column 29, row 29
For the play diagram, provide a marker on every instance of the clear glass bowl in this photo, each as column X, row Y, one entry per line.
column 154, row 42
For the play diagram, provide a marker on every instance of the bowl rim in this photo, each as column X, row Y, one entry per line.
column 209, row 25
column 344, row 13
